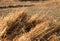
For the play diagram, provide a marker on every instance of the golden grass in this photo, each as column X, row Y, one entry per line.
column 9, row 19
column 42, row 28
column 17, row 27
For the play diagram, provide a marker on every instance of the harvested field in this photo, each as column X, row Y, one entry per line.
column 30, row 20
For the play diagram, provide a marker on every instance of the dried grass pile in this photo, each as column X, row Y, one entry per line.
column 22, row 27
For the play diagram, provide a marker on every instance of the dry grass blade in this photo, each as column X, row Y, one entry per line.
column 33, row 18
